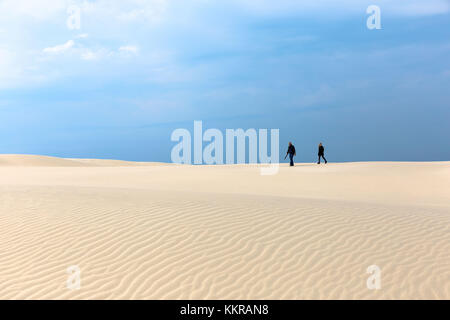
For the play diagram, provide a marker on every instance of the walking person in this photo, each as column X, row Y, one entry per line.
column 291, row 152
column 321, row 153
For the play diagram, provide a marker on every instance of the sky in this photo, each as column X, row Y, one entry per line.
column 117, row 84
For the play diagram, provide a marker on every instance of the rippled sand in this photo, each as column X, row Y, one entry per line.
column 164, row 231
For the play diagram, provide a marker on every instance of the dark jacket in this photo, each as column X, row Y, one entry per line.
column 291, row 150
column 321, row 150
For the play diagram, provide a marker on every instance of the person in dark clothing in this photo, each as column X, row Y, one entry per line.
column 321, row 153
column 291, row 152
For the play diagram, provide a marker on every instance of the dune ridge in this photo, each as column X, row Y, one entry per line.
column 224, row 232
column 20, row 160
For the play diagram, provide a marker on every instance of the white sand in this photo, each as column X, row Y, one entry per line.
column 164, row 231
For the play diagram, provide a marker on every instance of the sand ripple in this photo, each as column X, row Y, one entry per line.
column 192, row 245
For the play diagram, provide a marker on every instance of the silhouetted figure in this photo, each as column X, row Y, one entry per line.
column 291, row 152
column 321, row 153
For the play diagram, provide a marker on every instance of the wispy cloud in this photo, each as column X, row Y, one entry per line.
column 129, row 49
column 343, row 7
column 112, row 30
column 90, row 55
column 420, row 8
column 150, row 11
column 17, row 70
column 36, row 9
column 60, row 48
column 101, row 53
column 86, row 53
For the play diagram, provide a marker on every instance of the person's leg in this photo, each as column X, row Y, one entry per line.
column 318, row 162
column 291, row 158
column 324, row 159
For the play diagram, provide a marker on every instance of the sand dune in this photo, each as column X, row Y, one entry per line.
column 36, row 161
column 223, row 232
column 21, row 160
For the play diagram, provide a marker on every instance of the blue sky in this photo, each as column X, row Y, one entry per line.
column 136, row 70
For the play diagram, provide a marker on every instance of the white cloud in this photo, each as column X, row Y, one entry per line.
column 89, row 55
column 7, row 65
column 95, row 54
column 333, row 7
column 60, row 48
column 16, row 70
column 102, row 10
column 129, row 49
column 36, row 9
column 127, row 10
column 110, row 23
column 102, row 53
column 420, row 8
column 154, row 11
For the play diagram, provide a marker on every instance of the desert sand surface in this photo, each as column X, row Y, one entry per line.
column 165, row 231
